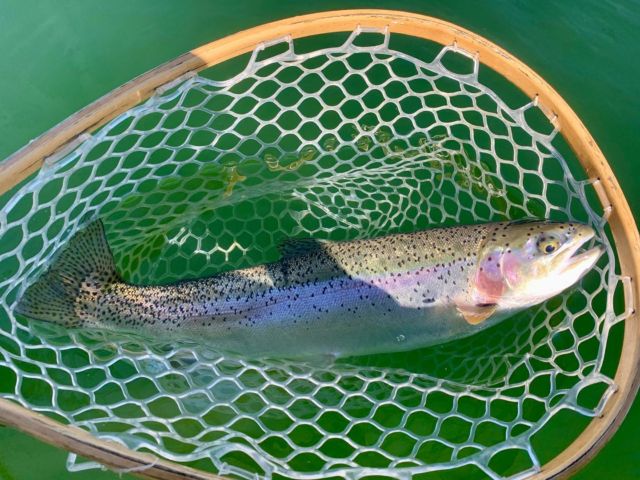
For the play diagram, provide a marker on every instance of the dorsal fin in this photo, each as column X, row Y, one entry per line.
column 297, row 247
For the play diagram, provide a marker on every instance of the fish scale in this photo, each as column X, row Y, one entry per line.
column 390, row 293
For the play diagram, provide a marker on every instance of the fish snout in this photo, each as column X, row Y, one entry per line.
column 584, row 233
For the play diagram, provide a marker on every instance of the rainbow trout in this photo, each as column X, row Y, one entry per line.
column 395, row 292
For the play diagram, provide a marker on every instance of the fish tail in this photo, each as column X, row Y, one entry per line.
column 66, row 292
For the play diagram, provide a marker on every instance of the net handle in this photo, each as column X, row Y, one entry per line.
column 79, row 441
column 623, row 227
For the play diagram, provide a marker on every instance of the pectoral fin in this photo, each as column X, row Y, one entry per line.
column 475, row 314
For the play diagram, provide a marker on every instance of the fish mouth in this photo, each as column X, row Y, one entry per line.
column 573, row 259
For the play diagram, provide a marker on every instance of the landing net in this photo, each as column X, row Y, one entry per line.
column 343, row 142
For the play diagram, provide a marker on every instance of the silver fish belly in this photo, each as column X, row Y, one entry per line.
column 390, row 293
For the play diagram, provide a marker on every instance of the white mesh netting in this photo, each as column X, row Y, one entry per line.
column 340, row 142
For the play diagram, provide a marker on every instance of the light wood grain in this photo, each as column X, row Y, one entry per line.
column 623, row 227
column 114, row 455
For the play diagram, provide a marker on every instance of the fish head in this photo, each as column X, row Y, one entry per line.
column 524, row 263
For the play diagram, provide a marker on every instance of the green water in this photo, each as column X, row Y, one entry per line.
column 59, row 56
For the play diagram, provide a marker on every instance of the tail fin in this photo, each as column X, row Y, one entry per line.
column 76, row 278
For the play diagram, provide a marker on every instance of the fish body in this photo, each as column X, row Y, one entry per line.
column 395, row 292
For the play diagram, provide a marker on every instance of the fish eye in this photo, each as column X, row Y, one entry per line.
column 548, row 245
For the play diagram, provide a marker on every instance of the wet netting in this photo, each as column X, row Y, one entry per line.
column 337, row 137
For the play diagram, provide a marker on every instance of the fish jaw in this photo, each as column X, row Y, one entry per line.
column 567, row 252
column 578, row 265
column 570, row 265
column 516, row 271
column 566, row 269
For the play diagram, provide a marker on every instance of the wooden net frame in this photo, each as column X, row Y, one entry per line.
column 620, row 219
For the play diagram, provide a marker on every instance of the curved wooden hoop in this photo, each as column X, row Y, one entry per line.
column 623, row 227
